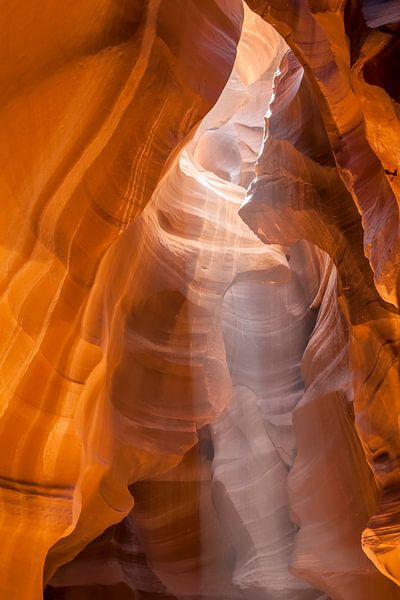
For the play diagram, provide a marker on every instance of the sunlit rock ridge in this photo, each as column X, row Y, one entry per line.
column 200, row 254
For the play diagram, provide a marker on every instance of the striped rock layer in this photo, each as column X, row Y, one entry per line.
column 199, row 304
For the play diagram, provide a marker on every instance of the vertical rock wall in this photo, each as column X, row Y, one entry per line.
column 199, row 348
column 332, row 181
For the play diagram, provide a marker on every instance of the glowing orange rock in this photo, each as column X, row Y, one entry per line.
column 306, row 188
column 95, row 98
column 233, row 372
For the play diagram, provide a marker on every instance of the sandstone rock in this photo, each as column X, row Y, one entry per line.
column 199, row 358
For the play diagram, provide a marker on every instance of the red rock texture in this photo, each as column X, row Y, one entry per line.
column 200, row 333
column 331, row 184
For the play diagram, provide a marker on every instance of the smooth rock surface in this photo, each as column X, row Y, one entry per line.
column 199, row 352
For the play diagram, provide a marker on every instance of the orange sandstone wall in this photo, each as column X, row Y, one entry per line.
column 95, row 97
column 199, row 343
column 331, row 178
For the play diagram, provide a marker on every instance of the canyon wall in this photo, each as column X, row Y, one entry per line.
column 340, row 192
column 200, row 250
column 95, row 99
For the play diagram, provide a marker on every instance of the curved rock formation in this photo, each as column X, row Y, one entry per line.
column 200, row 249
column 307, row 26
column 305, row 189
column 89, row 115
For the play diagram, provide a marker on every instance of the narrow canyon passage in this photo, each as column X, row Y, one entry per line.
column 232, row 519
column 199, row 361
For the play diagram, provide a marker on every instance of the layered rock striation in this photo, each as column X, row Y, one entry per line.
column 306, row 188
column 199, row 351
column 95, row 99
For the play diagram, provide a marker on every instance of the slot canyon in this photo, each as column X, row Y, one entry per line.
column 200, row 283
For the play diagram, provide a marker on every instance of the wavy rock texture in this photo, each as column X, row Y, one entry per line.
column 266, row 329
column 192, row 221
column 307, row 26
column 306, row 188
column 90, row 115
column 380, row 12
column 199, row 388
